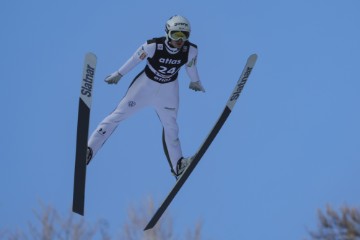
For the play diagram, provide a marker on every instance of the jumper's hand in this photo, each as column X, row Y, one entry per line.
column 113, row 78
column 196, row 86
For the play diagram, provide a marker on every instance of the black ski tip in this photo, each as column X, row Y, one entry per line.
column 148, row 227
column 151, row 224
column 78, row 211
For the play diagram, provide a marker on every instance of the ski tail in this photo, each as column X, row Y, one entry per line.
column 85, row 101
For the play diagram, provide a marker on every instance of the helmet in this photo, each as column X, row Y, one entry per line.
column 178, row 27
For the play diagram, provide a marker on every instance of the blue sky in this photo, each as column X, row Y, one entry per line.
column 290, row 146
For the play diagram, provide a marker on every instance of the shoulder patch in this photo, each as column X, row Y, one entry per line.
column 160, row 47
column 142, row 54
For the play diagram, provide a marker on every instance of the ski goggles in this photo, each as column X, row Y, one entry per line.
column 177, row 35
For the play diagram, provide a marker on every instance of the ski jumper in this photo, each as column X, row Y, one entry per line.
column 156, row 86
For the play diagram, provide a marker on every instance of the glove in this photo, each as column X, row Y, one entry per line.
column 113, row 78
column 196, row 86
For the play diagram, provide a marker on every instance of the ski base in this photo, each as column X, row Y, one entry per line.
column 215, row 130
column 82, row 132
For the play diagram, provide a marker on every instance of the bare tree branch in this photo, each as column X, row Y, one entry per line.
column 338, row 226
column 49, row 225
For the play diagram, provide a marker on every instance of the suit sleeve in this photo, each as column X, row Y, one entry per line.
column 190, row 66
column 144, row 51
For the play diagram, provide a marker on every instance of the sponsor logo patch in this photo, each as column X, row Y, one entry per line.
column 142, row 54
column 131, row 104
column 101, row 131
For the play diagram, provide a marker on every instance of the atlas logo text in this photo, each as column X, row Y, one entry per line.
column 169, row 61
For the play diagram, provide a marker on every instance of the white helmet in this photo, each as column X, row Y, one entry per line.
column 178, row 27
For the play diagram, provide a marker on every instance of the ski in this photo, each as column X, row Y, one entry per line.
column 82, row 132
column 214, row 131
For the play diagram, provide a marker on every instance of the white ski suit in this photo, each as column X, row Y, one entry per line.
column 156, row 86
